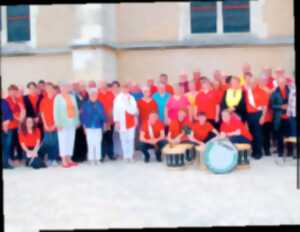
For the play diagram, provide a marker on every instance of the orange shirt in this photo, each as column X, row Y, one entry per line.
column 207, row 103
column 129, row 119
column 33, row 100
column 260, row 99
column 157, row 128
column 106, row 99
column 46, row 108
column 235, row 124
column 16, row 111
column 269, row 113
column 169, row 89
column 201, row 131
column 175, row 128
column 145, row 108
column 30, row 139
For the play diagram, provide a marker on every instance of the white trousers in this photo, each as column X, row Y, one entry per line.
column 66, row 140
column 127, row 143
column 94, row 139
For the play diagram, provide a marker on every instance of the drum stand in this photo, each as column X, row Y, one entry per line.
column 243, row 159
column 286, row 160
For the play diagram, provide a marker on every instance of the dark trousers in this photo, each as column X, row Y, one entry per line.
column 281, row 133
column 80, row 146
column 145, row 147
column 6, row 144
column 239, row 139
column 267, row 131
column 293, row 127
column 108, row 144
column 15, row 146
column 50, row 146
column 256, row 131
column 215, row 124
column 36, row 162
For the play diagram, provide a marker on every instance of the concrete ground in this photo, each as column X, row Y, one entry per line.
column 118, row 194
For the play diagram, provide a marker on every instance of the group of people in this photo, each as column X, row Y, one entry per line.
column 76, row 121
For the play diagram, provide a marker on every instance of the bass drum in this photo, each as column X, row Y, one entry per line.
column 220, row 156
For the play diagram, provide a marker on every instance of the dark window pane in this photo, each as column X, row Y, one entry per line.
column 203, row 17
column 18, row 24
column 236, row 16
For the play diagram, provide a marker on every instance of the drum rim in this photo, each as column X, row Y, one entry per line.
column 218, row 170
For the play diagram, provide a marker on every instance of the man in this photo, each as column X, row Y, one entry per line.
column 18, row 112
column 106, row 98
column 256, row 110
column 152, row 136
column 161, row 98
column 50, row 141
column 125, row 113
column 32, row 101
column 163, row 79
column 197, row 79
column 279, row 104
column 41, row 87
column 271, row 82
column 7, row 116
column 183, row 81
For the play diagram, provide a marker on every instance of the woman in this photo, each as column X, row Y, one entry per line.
column 191, row 96
column 177, row 102
column 30, row 137
column 66, row 118
column 234, row 98
column 92, row 117
column 125, row 113
column 206, row 101
column 234, row 129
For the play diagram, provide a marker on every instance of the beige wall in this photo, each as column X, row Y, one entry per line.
column 279, row 16
column 142, row 64
column 20, row 70
column 139, row 22
column 55, row 25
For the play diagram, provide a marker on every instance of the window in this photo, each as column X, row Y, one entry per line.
column 18, row 23
column 228, row 16
column 204, row 17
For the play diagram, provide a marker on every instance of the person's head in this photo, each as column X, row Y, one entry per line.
column 13, row 91
column 226, row 115
column 205, row 84
column 246, row 68
column 65, row 87
column 192, row 86
column 196, row 75
column 125, row 88
column 178, row 89
column 201, row 117
column 234, row 82
column 182, row 114
column 57, row 89
column 93, row 94
column 279, row 73
column 150, row 82
column 32, row 88
column 102, row 85
column 50, row 90
column 161, row 88
column 146, row 91
column 163, row 78
column 281, row 80
column 248, row 78
column 263, row 80
column 82, row 86
column 267, row 71
column 41, row 85
column 217, row 76
column 183, row 77
column 91, row 84
column 153, row 117
column 115, row 87
column 27, row 124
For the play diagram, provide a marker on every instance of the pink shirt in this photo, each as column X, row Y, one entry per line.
column 174, row 105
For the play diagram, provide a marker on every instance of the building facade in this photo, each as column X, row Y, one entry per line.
column 137, row 41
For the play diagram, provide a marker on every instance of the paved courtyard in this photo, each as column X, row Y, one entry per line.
column 118, row 194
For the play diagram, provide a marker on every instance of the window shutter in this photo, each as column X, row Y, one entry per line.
column 236, row 16
column 203, row 17
column 18, row 24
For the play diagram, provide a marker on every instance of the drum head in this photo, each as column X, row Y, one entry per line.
column 220, row 156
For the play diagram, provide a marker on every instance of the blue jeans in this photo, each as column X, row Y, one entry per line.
column 6, row 145
column 50, row 146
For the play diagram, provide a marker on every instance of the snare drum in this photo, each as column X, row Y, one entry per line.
column 189, row 153
column 174, row 155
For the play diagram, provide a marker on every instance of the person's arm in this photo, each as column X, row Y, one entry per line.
column 161, row 136
column 217, row 113
column 144, row 139
column 236, row 132
column 45, row 123
column 57, row 112
column 215, row 131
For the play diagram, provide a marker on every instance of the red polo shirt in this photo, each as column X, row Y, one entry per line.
column 157, row 128
column 260, row 99
column 16, row 111
column 107, row 99
column 207, row 102
column 47, row 109
column 30, row 139
column 201, row 131
column 145, row 108
column 175, row 128
column 235, row 124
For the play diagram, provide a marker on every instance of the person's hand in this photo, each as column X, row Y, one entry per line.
column 117, row 125
column 222, row 135
column 261, row 120
column 284, row 107
column 5, row 126
column 59, row 128
column 217, row 118
column 231, row 109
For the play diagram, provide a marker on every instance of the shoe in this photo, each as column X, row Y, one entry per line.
column 102, row 160
column 73, row 164
column 113, row 158
column 66, row 165
column 8, row 166
column 55, row 163
column 159, row 160
column 146, row 160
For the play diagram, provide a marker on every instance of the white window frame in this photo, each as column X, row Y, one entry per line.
column 33, row 10
column 257, row 24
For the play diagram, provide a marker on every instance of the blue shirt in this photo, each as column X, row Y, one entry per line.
column 92, row 114
column 161, row 101
column 6, row 111
column 137, row 95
